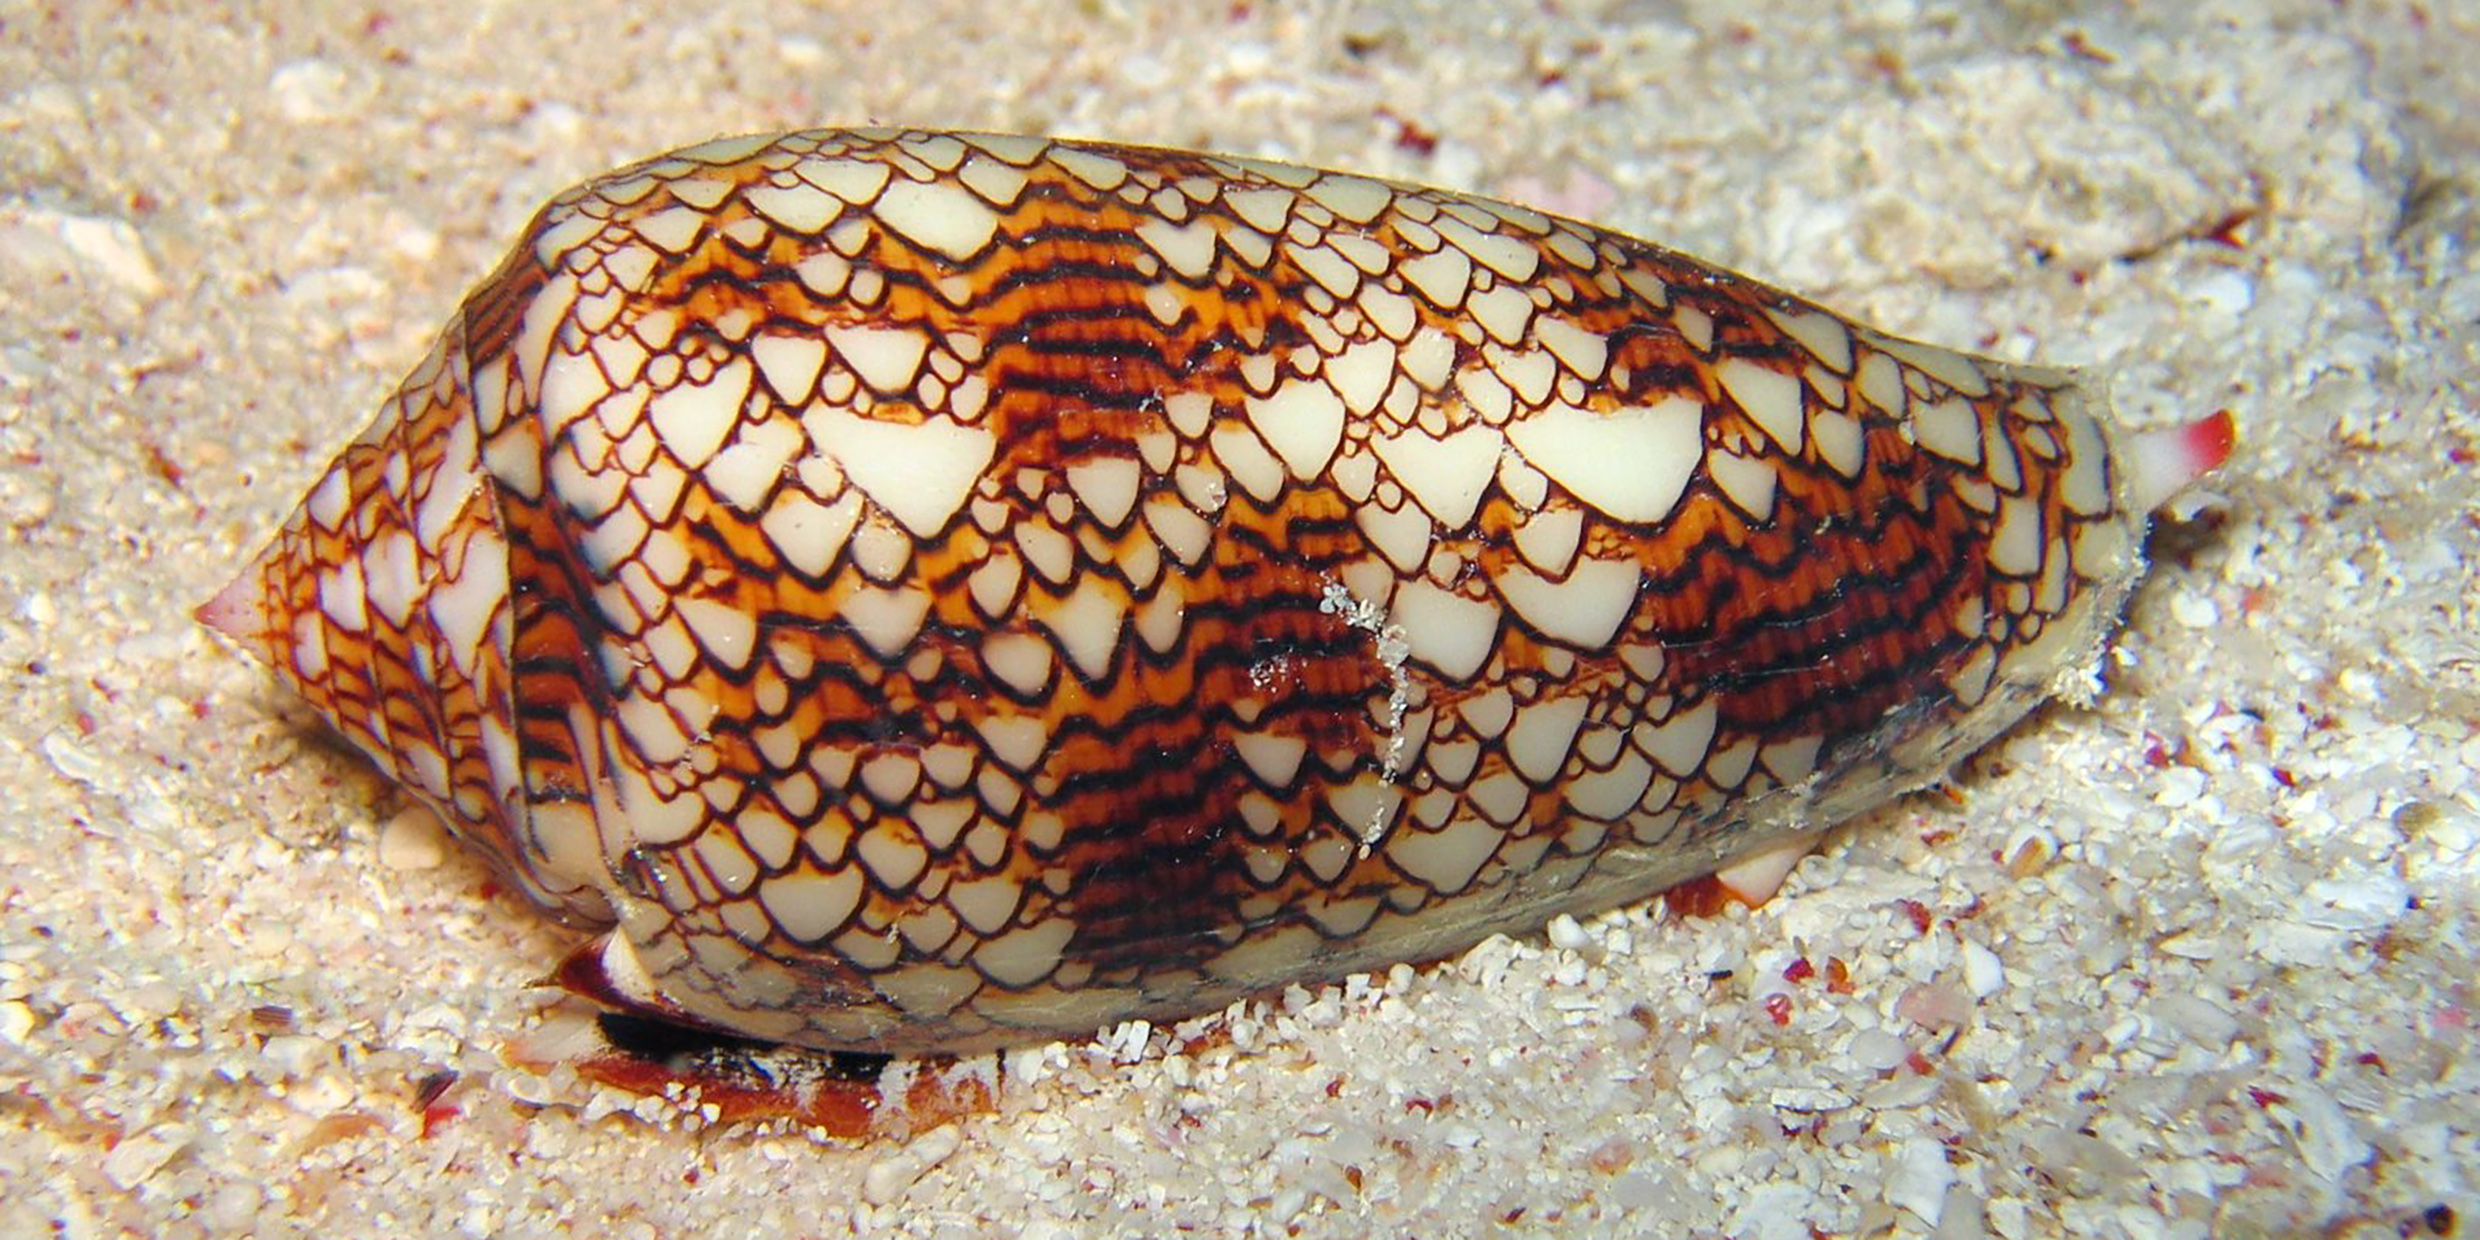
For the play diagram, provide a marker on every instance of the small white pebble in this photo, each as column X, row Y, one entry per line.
column 71, row 759
column 308, row 90
column 1877, row 1050
column 888, row 1178
column 1982, row 970
column 1455, row 163
column 1644, row 1189
column 2010, row 1217
column 148, row 1001
column 413, row 240
column 2029, row 851
column 2196, row 1018
column 2328, row 1140
column 1246, row 58
column 1808, row 1099
column 412, row 840
column 555, row 121
column 114, row 250
column 1933, row 1005
column 1918, row 1179
column 2359, row 903
column 1567, row 935
column 478, row 1220
column 16, row 1022
column 268, row 938
column 1125, row 1042
column 1144, row 72
column 24, row 500
column 935, row 1146
column 2194, row 610
column 2179, row 785
column 1901, row 1092
column 231, row 1208
column 50, row 103
column 2123, row 1030
column 292, row 1056
column 136, row 1159
column 2226, row 291
column 1323, row 1012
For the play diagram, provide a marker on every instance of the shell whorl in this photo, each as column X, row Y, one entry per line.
column 936, row 590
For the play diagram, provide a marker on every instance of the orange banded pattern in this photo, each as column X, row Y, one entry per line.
column 929, row 591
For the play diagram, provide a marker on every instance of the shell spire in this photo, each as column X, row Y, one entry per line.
column 931, row 591
column 384, row 602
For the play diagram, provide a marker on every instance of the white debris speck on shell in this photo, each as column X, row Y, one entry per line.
column 1391, row 650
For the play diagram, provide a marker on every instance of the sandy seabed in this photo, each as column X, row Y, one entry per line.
column 2198, row 960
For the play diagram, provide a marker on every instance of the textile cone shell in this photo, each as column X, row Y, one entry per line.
column 934, row 591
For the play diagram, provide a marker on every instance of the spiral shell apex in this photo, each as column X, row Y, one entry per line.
column 929, row 591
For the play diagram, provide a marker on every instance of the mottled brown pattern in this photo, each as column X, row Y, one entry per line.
column 936, row 591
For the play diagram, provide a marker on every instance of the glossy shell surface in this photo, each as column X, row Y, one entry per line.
column 930, row 591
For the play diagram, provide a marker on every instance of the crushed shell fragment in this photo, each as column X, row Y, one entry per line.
column 926, row 592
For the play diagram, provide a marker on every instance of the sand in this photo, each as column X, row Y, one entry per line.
column 2197, row 960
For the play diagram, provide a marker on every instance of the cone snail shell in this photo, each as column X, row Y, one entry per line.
column 930, row 591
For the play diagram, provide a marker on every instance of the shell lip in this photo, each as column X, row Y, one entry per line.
column 586, row 973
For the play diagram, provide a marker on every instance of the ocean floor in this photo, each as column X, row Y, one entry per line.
column 2197, row 960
